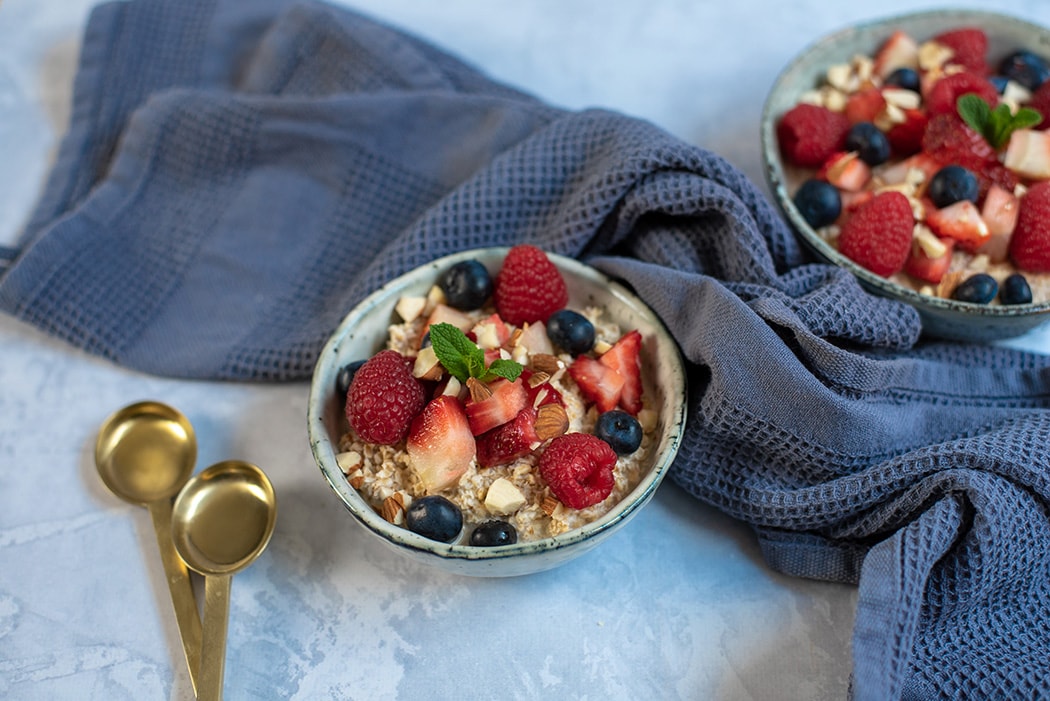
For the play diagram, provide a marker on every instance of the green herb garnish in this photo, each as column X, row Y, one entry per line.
column 995, row 125
column 464, row 359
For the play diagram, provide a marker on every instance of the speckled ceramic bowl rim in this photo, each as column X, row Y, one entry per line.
column 665, row 450
column 777, row 180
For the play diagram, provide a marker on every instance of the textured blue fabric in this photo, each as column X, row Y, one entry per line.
column 237, row 175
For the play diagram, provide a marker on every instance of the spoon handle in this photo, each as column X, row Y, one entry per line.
column 213, row 648
column 180, row 587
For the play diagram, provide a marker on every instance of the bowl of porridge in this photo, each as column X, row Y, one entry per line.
column 497, row 412
column 914, row 151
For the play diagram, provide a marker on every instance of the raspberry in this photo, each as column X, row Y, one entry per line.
column 878, row 234
column 578, row 467
column 809, row 135
column 1040, row 102
column 948, row 140
column 944, row 94
column 384, row 398
column 969, row 47
column 528, row 288
column 1030, row 243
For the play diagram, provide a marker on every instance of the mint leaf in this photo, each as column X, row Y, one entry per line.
column 463, row 359
column 996, row 125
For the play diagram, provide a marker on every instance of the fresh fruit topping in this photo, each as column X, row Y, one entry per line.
column 869, row 142
column 929, row 261
column 345, row 376
column 995, row 125
column 467, row 285
column 818, row 202
column 491, row 332
column 951, row 184
column 493, row 404
column 969, row 47
column 434, row 517
column 494, row 533
column 444, row 314
column 846, row 171
column 945, row 93
column 1028, row 154
column 960, row 221
column 905, row 136
column 1040, row 102
column 570, row 330
column 620, row 430
column 578, row 467
column 1025, row 68
column 878, row 234
column 598, row 383
column 1015, row 290
column 625, row 359
column 1030, row 244
column 904, row 78
column 529, row 287
column 948, row 140
column 506, row 443
column 864, row 106
column 899, row 51
column 384, row 398
column 539, row 389
column 464, row 359
column 810, row 134
column 976, row 289
column 440, row 444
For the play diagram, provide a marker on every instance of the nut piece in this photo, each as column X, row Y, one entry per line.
column 349, row 461
column 549, row 504
column 393, row 509
column 427, row 366
column 551, row 421
column 503, row 497
column 538, row 378
column 545, row 362
column 479, row 391
column 409, row 308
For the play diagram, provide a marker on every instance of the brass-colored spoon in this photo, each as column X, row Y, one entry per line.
column 144, row 454
column 222, row 520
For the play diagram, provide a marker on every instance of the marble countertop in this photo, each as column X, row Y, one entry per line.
column 678, row 605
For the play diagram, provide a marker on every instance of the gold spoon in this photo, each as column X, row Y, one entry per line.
column 222, row 520
column 144, row 454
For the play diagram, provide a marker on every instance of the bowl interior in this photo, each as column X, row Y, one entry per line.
column 363, row 332
column 941, row 318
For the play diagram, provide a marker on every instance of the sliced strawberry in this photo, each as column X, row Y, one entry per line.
column 491, row 332
column 534, row 339
column 1028, row 154
column 503, row 404
column 445, row 314
column 960, row 221
column 846, row 171
column 1000, row 210
column 948, row 140
column 540, row 394
column 899, row 172
column 931, row 269
column 512, row 440
column 906, row 137
column 864, row 106
column 440, row 444
column 899, row 51
column 597, row 382
column 624, row 358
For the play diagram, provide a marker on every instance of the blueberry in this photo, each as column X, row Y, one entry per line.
column 346, row 376
column 952, row 184
column 1026, row 68
column 425, row 341
column 494, row 532
column 571, row 331
column 1015, row 290
column 869, row 142
column 906, row 78
column 818, row 202
column 434, row 517
column 978, row 289
column 467, row 285
column 620, row 430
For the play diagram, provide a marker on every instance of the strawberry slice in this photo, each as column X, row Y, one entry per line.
column 440, row 444
column 597, row 382
column 931, row 269
column 505, row 444
column 906, row 137
column 503, row 404
column 960, row 221
column 899, row 51
column 999, row 212
column 491, row 332
column 542, row 393
column 623, row 357
column 445, row 314
column 846, row 171
column 864, row 106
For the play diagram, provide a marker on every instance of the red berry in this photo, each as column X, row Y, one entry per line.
column 809, row 135
column 906, row 138
column 578, row 467
column 878, row 235
column 864, row 106
column 1040, row 102
column 529, row 287
column 948, row 140
column 1030, row 243
column 598, row 383
column 969, row 47
column 945, row 93
column 384, row 398
column 508, row 442
column 623, row 357
column 440, row 444
column 505, row 399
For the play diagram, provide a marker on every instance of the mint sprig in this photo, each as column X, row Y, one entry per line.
column 994, row 125
column 463, row 359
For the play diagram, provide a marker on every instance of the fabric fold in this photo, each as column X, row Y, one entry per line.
column 237, row 176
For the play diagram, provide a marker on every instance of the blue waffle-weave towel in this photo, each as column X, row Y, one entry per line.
column 237, row 175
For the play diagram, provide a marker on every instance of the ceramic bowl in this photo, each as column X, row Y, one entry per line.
column 941, row 318
column 363, row 332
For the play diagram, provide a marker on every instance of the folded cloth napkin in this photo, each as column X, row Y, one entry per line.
column 237, row 176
